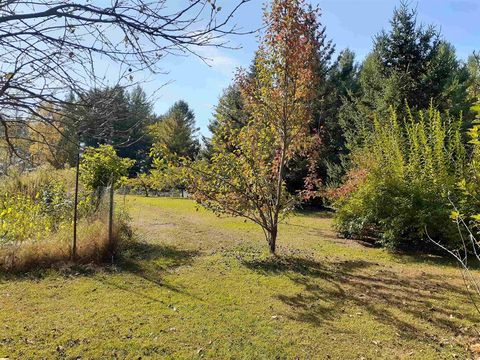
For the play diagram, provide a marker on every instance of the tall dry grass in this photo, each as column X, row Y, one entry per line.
column 43, row 238
column 93, row 246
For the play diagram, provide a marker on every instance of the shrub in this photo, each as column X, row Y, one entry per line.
column 34, row 204
column 36, row 213
column 410, row 173
column 101, row 167
column 21, row 219
column 468, row 207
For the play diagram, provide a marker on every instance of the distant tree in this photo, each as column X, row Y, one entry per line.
column 111, row 115
column 175, row 132
column 143, row 182
column 412, row 64
column 174, row 136
column 417, row 66
column 405, row 55
column 14, row 160
column 338, row 83
column 166, row 176
column 343, row 80
column 250, row 180
column 473, row 66
column 102, row 116
column 139, row 143
column 44, row 145
column 229, row 112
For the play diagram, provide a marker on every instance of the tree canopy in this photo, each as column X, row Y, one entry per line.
column 175, row 132
column 246, row 175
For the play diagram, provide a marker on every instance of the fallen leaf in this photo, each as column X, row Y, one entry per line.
column 475, row 348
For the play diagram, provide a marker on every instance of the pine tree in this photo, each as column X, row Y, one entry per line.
column 229, row 113
column 175, row 132
column 109, row 116
column 410, row 64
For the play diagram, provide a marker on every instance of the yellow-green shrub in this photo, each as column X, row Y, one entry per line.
column 36, row 213
column 35, row 204
column 411, row 171
column 21, row 219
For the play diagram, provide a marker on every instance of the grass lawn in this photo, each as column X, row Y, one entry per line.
column 198, row 286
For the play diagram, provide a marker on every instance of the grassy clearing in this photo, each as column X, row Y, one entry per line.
column 201, row 286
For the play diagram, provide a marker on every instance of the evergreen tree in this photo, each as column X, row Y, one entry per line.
column 175, row 132
column 341, row 82
column 473, row 66
column 413, row 64
column 139, row 141
column 410, row 64
column 405, row 55
column 229, row 112
column 103, row 117
column 111, row 116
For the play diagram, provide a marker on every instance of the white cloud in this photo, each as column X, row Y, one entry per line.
column 218, row 60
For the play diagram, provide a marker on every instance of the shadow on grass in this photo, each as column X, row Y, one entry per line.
column 444, row 260
column 139, row 251
column 151, row 262
column 332, row 290
column 64, row 269
column 437, row 256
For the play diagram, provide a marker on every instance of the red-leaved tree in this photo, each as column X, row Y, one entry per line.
column 246, row 175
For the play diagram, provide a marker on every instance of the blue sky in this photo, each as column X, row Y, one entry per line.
column 350, row 23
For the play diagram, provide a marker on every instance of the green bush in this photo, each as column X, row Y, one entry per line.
column 468, row 208
column 411, row 174
column 101, row 167
column 395, row 214
column 38, row 203
column 21, row 219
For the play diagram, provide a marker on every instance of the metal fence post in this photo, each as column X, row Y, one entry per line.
column 110, row 219
column 75, row 210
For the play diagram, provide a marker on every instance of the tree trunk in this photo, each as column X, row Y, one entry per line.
column 272, row 239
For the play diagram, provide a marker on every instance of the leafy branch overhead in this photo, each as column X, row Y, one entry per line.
column 54, row 47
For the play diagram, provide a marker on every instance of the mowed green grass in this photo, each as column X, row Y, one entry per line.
column 199, row 286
